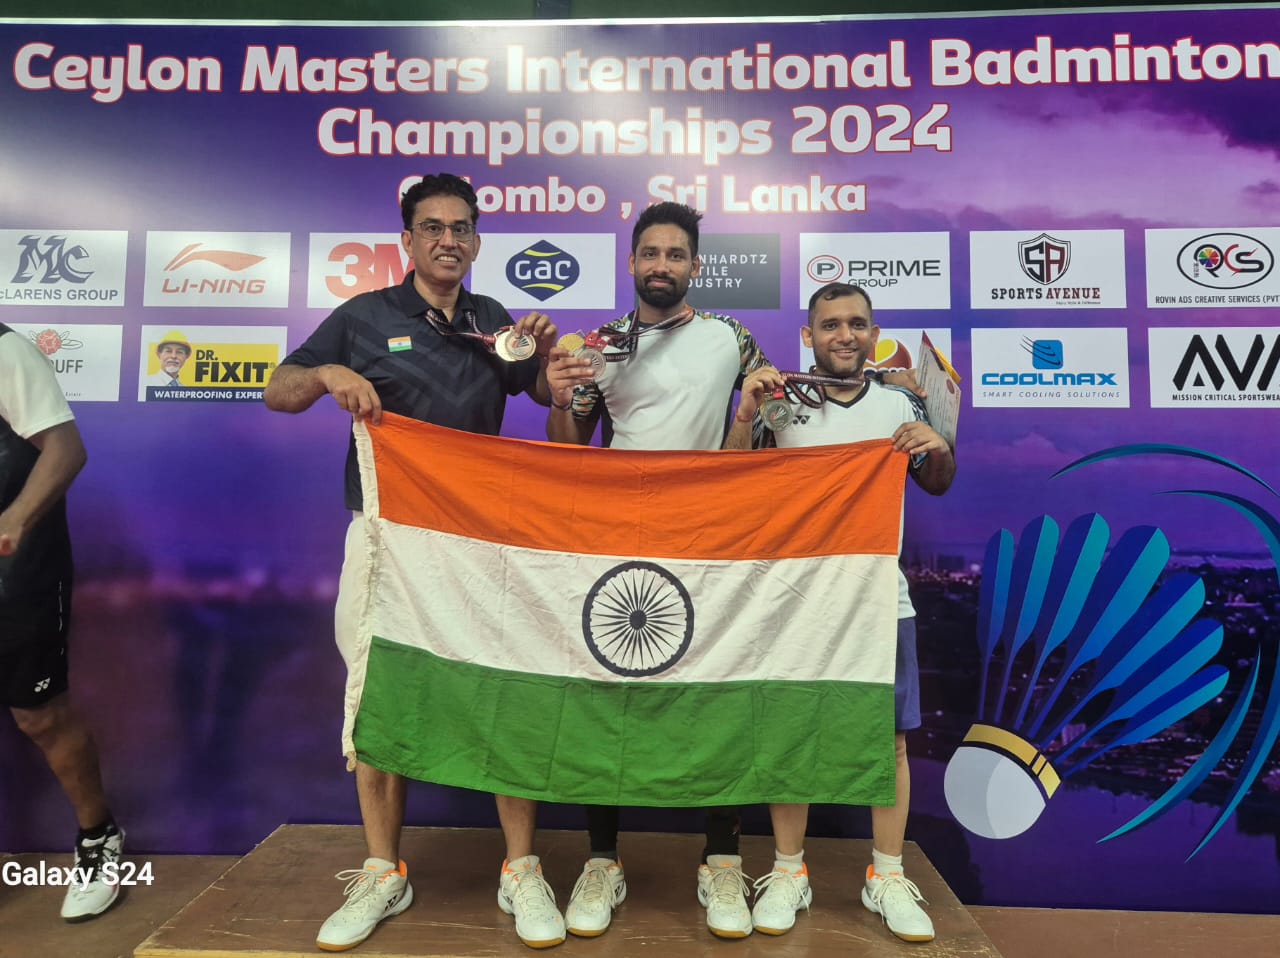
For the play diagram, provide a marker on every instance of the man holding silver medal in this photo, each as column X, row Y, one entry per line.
column 431, row 350
column 661, row 377
column 846, row 405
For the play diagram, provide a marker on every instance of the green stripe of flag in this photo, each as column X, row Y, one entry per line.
column 625, row 743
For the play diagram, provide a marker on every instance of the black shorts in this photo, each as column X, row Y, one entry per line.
column 33, row 669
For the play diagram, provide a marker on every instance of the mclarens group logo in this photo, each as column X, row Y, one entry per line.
column 899, row 270
column 547, row 270
column 543, row 270
column 1213, row 268
column 1076, row 268
column 342, row 265
column 1231, row 366
column 62, row 267
column 1051, row 367
column 217, row 269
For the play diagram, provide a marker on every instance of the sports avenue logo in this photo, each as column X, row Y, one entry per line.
column 1044, row 259
column 1225, row 260
column 542, row 270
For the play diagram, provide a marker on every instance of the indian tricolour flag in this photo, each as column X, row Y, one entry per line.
column 637, row 628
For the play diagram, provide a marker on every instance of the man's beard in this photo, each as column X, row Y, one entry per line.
column 662, row 297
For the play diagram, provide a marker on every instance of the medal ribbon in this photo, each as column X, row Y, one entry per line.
column 625, row 340
column 819, row 384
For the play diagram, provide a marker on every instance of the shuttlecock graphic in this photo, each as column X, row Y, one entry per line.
column 1081, row 653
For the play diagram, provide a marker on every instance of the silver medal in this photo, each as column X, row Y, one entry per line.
column 511, row 348
column 593, row 356
column 776, row 414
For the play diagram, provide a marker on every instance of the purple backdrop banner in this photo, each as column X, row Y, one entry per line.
column 1083, row 209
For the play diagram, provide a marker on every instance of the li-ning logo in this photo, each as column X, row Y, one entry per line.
column 58, row 262
column 1044, row 258
column 1045, row 353
column 1225, row 260
column 231, row 260
column 542, row 270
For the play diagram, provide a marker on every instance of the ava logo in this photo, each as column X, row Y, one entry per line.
column 637, row 619
column 1226, row 260
column 52, row 260
column 1087, row 646
column 1201, row 366
column 542, row 270
column 49, row 341
column 1044, row 259
column 1045, row 353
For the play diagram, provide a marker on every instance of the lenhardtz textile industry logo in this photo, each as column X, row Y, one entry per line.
column 1087, row 647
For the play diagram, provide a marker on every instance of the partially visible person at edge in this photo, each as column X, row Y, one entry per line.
column 41, row 452
column 842, row 334
column 403, row 350
column 674, row 391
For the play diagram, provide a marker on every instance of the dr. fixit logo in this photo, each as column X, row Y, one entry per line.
column 543, row 270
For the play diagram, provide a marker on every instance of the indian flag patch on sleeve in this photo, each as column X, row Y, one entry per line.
column 399, row 344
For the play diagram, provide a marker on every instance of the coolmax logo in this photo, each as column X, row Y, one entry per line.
column 1045, row 353
column 1225, row 260
column 51, row 260
column 542, row 270
column 1044, row 259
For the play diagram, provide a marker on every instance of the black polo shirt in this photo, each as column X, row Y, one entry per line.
column 452, row 381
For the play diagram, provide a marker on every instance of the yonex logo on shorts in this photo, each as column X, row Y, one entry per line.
column 41, row 685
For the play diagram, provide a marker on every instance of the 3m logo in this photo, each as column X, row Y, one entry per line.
column 365, row 268
column 52, row 259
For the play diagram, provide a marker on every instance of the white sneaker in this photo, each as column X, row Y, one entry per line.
column 893, row 898
column 779, row 895
column 722, row 891
column 97, row 888
column 374, row 892
column 524, row 893
column 599, row 890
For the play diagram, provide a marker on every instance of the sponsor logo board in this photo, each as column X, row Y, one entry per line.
column 899, row 270
column 217, row 269
column 85, row 358
column 63, row 267
column 208, row 363
column 1027, row 269
column 547, row 271
column 1050, row 367
column 739, row 271
column 1219, row 268
column 342, row 265
column 1230, row 366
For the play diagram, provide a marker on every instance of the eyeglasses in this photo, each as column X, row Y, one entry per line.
column 430, row 229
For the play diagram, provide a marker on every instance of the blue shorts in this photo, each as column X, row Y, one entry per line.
column 906, row 679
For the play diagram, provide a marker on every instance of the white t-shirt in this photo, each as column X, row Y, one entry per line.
column 31, row 400
column 676, row 389
column 875, row 413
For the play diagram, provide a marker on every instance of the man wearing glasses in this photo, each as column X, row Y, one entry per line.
column 422, row 349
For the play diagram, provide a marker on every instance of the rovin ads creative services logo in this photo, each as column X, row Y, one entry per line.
column 208, row 363
column 1051, row 367
column 1009, row 269
column 217, row 269
column 62, row 267
column 1198, row 267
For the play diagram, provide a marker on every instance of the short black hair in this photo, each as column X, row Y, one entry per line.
column 838, row 291
column 677, row 214
column 442, row 184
